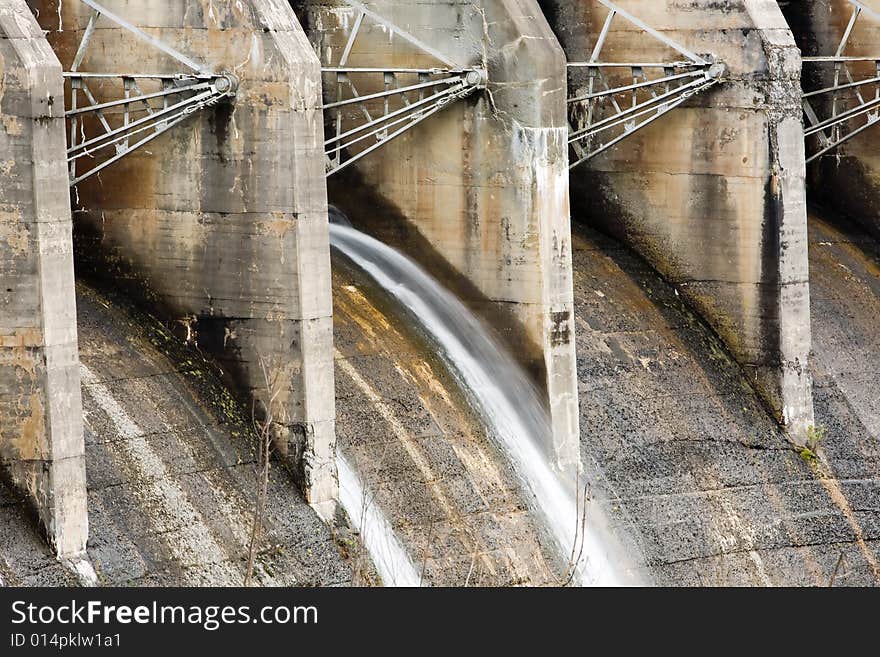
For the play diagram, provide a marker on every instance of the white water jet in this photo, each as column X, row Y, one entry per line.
column 498, row 389
column 391, row 560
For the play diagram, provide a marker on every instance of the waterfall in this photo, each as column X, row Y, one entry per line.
column 391, row 560
column 495, row 385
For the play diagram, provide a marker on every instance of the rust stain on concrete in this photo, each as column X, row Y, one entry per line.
column 31, row 440
column 26, row 337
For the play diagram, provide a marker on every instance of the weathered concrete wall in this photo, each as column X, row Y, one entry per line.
column 713, row 193
column 449, row 494
column 41, row 434
column 171, row 474
column 481, row 188
column 222, row 223
column 847, row 179
column 691, row 465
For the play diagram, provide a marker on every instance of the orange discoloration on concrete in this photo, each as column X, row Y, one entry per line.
column 278, row 227
column 832, row 485
column 30, row 443
column 28, row 337
column 24, row 360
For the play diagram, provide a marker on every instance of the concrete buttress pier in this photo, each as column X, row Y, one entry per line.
column 220, row 225
column 846, row 179
column 712, row 194
column 41, row 433
column 480, row 188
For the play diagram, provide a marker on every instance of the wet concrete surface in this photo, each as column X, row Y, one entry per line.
column 172, row 481
column 688, row 463
column 429, row 466
column 846, row 342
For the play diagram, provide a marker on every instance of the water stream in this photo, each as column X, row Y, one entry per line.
column 495, row 385
column 391, row 560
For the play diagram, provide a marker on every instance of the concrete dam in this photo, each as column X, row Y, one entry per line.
column 439, row 293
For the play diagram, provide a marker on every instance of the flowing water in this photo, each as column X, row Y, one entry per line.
column 391, row 560
column 495, row 385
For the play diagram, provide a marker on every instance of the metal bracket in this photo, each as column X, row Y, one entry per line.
column 398, row 98
column 150, row 105
column 847, row 100
column 135, row 108
column 613, row 100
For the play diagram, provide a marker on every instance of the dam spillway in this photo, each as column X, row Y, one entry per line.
column 501, row 395
column 690, row 301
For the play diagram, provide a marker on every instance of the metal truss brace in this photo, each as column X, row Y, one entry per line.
column 397, row 100
column 103, row 133
column 847, row 100
column 135, row 108
column 613, row 100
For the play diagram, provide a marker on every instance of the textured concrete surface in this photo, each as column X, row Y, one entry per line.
column 848, row 179
column 480, row 188
column 221, row 223
column 712, row 194
column 845, row 275
column 41, row 436
column 690, row 467
column 426, row 461
column 845, row 269
column 171, row 474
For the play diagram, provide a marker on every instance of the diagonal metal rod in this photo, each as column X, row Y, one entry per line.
column 848, row 31
column 865, row 8
column 88, row 94
column 406, row 36
column 134, row 147
column 692, row 86
column 135, row 99
column 153, row 41
column 620, row 138
column 841, row 127
column 638, row 85
column 351, row 39
column 843, row 116
column 84, row 44
column 833, row 145
column 438, row 100
column 394, row 92
column 389, row 116
column 696, row 59
column 600, row 42
column 153, row 123
column 390, row 137
column 840, row 87
column 159, row 114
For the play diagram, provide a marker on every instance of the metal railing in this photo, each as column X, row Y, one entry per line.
column 134, row 108
column 846, row 100
column 613, row 100
column 399, row 98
